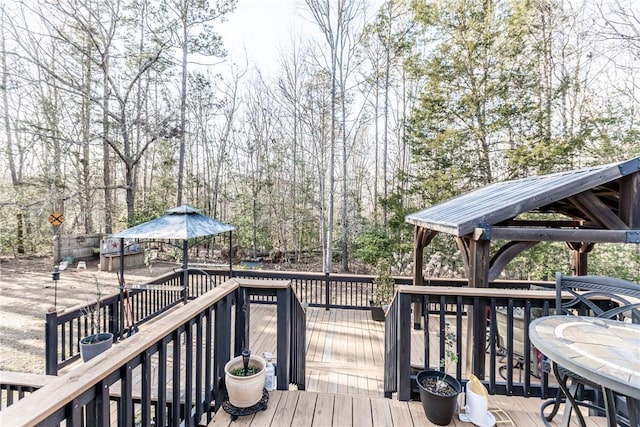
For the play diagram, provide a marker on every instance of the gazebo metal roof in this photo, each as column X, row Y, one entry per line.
column 181, row 223
column 505, row 200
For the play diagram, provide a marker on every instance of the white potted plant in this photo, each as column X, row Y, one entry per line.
column 245, row 379
column 97, row 342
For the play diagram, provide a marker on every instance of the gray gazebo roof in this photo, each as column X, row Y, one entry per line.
column 181, row 223
column 505, row 200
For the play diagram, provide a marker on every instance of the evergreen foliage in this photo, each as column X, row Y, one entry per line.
column 373, row 246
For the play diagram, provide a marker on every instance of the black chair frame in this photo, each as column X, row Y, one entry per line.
column 598, row 296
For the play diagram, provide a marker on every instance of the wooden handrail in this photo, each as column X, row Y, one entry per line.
column 476, row 292
column 25, row 379
column 260, row 283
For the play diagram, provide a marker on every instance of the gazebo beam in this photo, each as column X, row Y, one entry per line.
column 505, row 255
column 564, row 235
column 630, row 200
column 600, row 212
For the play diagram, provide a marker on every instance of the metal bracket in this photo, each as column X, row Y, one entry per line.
column 629, row 167
column 633, row 237
column 482, row 232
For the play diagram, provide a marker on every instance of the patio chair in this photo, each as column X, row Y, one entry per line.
column 598, row 296
column 518, row 342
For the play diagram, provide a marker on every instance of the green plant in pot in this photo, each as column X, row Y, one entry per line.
column 438, row 390
column 244, row 379
column 97, row 342
column 383, row 289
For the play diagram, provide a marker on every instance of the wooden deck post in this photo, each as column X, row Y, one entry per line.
column 404, row 347
column 327, row 290
column 284, row 337
column 243, row 321
column 222, row 349
column 51, row 343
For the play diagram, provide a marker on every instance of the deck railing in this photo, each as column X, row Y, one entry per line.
column 17, row 385
column 149, row 300
column 64, row 330
column 187, row 349
column 489, row 356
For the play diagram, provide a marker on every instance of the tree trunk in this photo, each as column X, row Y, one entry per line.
column 106, row 152
column 183, row 104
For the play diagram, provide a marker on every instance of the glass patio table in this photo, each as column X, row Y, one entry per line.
column 603, row 351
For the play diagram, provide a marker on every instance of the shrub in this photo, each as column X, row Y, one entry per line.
column 372, row 246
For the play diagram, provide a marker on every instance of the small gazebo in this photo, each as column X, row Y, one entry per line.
column 583, row 207
column 182, row 224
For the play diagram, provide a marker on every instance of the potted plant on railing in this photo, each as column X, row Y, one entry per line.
column 97, row 342
column 245, row 380
column 438, row 390
column 382, row 291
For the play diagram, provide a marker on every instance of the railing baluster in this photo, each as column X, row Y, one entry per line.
column 145, row 402
column 161, row 417
column 199, row 365
column 492, row 348
column 175, row 379
column 188, row 382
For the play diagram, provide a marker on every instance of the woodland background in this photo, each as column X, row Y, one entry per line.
column 115, row 110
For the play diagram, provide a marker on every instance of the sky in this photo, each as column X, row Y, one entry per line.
column 262, row 28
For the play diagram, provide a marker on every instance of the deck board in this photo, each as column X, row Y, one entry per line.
column 345, row 359
column 323, row 413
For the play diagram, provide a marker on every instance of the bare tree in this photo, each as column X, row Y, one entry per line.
column 194, row 33
column 15, row 170
column 337, row 25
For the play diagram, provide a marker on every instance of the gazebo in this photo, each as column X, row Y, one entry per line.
column 601, row 204
column 582, row 207
column 181, row 223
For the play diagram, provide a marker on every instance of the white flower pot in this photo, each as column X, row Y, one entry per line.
column 245, row 391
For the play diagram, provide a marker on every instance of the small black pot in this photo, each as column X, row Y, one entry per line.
column 377, row 313
column 439, row 409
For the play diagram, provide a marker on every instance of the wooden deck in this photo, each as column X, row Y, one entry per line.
column 345, row 353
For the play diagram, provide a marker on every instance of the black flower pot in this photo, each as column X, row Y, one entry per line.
column 377, row 313
column 439, row 407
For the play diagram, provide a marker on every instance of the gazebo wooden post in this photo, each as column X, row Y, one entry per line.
column 580, row 257
column 422, row 238
column 630, row 200
column 418, row 252
column 479, row 263
column 185, row 271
